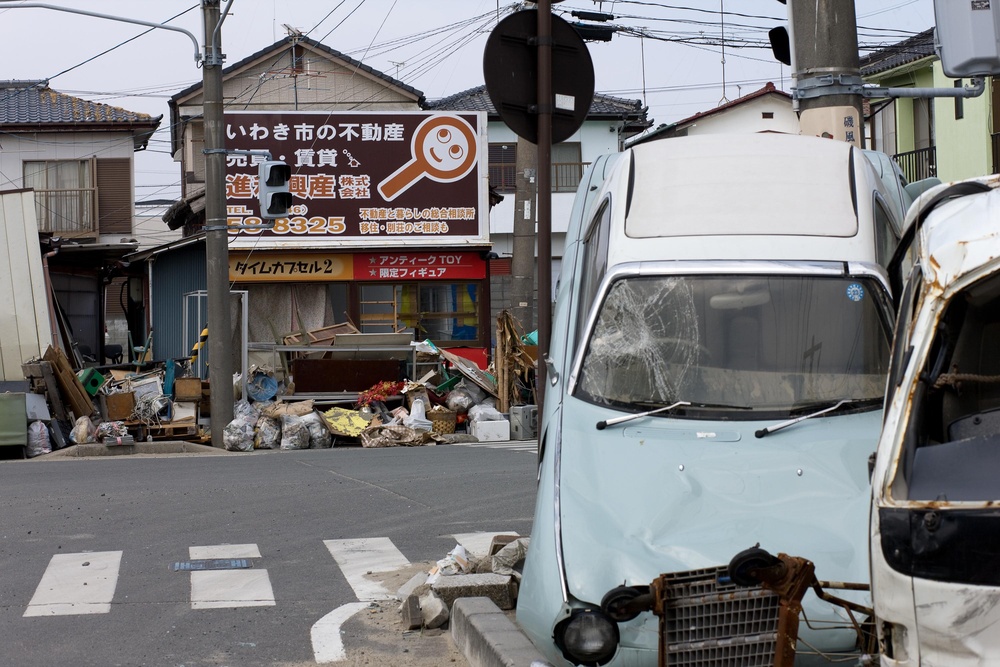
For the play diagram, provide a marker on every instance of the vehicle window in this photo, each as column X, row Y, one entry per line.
column 952, row 445
column 771, row 343
column 901, row 347
column 885, row 233
column 594, row 263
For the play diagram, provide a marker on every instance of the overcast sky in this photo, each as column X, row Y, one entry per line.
column 668, row 53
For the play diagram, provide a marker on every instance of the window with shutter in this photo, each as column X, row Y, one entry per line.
column 114, row 195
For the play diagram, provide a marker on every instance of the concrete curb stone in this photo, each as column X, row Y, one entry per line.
column 488, row 638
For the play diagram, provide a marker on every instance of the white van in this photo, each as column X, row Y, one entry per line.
column 935, row 523
column 719, row 350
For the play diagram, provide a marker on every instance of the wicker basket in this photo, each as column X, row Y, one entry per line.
column 442, row 421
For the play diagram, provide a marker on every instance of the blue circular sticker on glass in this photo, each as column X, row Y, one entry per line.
column 855, row 292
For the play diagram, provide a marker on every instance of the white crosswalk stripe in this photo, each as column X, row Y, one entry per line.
column 224, row 589
column 513, row 445
column 80, row 583
column 360, row 558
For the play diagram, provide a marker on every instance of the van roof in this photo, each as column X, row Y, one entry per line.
column 736, row 185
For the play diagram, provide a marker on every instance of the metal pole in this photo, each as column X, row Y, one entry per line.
column 827, row 67
column 220, row 371
column 544, row 190
column 522, row 290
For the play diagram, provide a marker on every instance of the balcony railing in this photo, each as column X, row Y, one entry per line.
column 566, row 176
column 917, row 165
column 66, row 212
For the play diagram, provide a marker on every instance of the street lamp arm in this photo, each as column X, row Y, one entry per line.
column 43, row 5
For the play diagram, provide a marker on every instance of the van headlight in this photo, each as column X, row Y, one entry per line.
column 587, row 637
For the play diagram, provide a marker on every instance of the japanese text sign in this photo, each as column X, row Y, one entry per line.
column 361, row 178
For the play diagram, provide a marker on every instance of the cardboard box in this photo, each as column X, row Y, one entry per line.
column 120, row 405
column 489, row 431
column 187, row 389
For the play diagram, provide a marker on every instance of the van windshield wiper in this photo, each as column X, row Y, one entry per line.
column 760, row 433
column 601, row 425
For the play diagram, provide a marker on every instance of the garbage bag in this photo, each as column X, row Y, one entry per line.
column 267, row 434
column 238, row 435
column 38, row 439
column 319, row 435
column 294, row 432
column 483, row 412
column 83, row 431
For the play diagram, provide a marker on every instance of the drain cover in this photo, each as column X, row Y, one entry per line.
column 213, row 564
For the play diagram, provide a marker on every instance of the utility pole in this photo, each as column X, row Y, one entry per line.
column 544, row 179
column 220, row 374
column 827, row 69
column 523, row 251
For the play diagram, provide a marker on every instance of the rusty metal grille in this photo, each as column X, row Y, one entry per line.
column 708, row 623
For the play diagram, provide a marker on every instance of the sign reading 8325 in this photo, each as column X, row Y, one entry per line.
column 297, row 224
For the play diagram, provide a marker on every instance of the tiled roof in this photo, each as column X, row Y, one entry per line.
column 910, row 50
column 34, row 103
column 477, row 99
column 301, row 39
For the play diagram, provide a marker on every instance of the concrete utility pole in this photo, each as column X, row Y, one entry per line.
column 545, row 104
column 523, row 251
column 216, row 236
column 827, row 69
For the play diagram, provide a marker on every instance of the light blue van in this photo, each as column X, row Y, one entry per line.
column 719, row 349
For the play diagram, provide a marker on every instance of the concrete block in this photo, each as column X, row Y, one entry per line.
column 411, row 586
column 488, row 431
column 410, row 611
column 433, row 610
column 488, row 638
column 496, row 587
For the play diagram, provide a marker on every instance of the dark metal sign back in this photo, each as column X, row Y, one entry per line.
column 510, row 68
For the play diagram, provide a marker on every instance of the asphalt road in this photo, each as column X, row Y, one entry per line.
column 130, row 519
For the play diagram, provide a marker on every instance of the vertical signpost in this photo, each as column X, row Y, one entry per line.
column 522, row 54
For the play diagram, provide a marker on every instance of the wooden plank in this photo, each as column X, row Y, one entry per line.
column 52, row 391
column 72, row 390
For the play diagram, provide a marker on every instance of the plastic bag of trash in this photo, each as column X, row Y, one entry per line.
column 476, row 392
column 244, row 409
column 484, row 413
column 319, row 435
column 238, row 435
column 459, row 400
column 268, row 433
column 115, row 429
column 294, row 432
column 456, row 562
column 83, row 431
column 38, row 439
column 506, row 560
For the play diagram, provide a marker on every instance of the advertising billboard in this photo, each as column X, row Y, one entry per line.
column 362, row 179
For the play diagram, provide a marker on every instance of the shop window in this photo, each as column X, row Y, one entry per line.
column 442, row 312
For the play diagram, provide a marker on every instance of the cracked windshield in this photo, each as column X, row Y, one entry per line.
column 763, row 342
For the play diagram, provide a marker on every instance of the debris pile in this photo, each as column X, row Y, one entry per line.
column 425, row 600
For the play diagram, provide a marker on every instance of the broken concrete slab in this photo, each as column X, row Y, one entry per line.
column 411, row 586
column 496, row 587
column 410, row 611
column 433, row 610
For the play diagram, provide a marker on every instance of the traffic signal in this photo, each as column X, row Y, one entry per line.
column 272, row 189
column 781, row 39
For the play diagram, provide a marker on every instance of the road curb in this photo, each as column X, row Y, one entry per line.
column 488, row 638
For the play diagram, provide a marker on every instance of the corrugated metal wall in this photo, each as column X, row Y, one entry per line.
column 175, row 273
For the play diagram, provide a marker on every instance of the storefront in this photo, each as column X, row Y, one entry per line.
column 388, row 230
